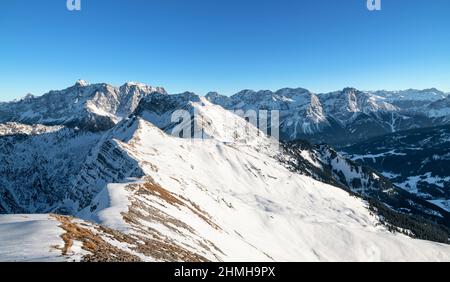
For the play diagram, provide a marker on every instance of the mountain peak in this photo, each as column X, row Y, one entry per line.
column 29, row 96
column 81, row 83
column 213, row 94
column 142, row 86
column 289, row 90
column 134, row 83
column 350, row 90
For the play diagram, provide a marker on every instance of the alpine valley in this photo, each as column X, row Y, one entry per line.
column 99, row 173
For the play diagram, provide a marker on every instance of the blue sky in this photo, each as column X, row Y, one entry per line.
column 224, row 45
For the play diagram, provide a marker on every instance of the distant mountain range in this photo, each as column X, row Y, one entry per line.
column 344, row 117
column 338, row 118
column 87, row 106
column 402, row 134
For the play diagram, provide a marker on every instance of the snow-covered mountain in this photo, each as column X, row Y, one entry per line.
column 323, row 163
column 439, row 109
column 411, row 100
column 426, row 95
column 13, row 128
column 138, row 191
column 300, row 110
column 343, row 117
column 179, row 212
column 89, row 106
column 38, row 169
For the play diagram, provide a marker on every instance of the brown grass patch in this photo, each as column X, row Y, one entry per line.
column 154, row 247
column 151, row 188
column 99, row 250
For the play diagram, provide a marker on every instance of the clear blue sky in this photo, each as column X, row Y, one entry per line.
column 224, row 45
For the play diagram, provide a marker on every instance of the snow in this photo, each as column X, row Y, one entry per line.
column 80, row 103
column 411, row 95
column 111, row 202
column 101, row 112
column 442, row 203
column 301, row 110
column 76, row 251
column 13, row 128
column 376, row 156
column 390, row 175
column 30, row 238
column 410, row 184
column 348, row 104
column 51, row 156
column 264, row 211
column 82, row 83
column 225, row 197
column 307, row 156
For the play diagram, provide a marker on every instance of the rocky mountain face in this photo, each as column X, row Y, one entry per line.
column 301, row 112
column 37, row 170
column 439, row 109
column 141, row 192
column 87, row 106
column 13, row 128
column 393, row 132
column 343, row 117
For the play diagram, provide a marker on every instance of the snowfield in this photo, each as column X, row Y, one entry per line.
column 30, row 238
column 224, row 203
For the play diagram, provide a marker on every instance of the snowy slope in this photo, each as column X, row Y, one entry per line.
column 30, row 238
column 324, row 164
column 140, row 192
column 37, row 169
column 252, row 209
column 251, row 200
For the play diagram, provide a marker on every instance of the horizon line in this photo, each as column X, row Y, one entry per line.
column 228, row 95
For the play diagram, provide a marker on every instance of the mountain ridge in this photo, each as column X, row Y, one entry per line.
column 350, row 115
column 91, row 106
column 143, row 191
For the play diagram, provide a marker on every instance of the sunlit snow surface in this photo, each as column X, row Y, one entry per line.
column 30, row 238
column 222, row 200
